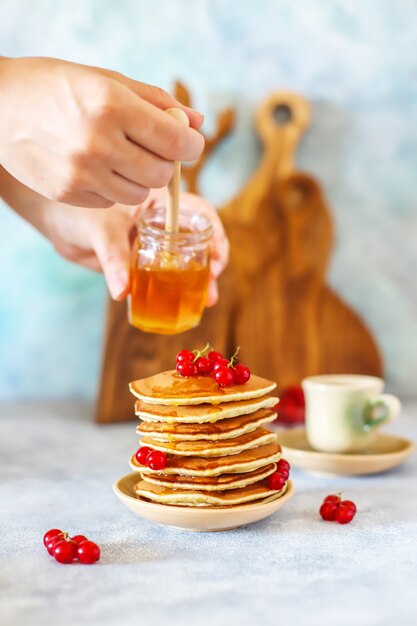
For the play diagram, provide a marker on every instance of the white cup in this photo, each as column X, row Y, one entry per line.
column 343, row 411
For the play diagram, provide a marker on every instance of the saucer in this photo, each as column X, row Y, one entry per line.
column 200, row 519
column 384, row 453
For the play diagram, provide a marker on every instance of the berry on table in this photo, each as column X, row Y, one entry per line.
column 344, row 514
column 328, row 511
column 54, row 532
column 185, row 355
column 242, row 374
column 204, row 365
column 79, row 539
column 276, row 481
column 224, row 376
column 88, row 552
column 349, row 504
column 215, row 356
column 186, row 369
column 291, row 407
column 52, row 543
column 156, row 460
column 65, row 551
column 142, row 454
column 333, row 498
column 65, row 548
column 336, row 509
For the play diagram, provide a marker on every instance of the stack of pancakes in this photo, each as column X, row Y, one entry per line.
column 218, row 451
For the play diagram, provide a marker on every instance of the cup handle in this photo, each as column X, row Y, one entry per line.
column 385, row 408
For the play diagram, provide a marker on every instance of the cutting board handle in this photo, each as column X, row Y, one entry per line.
column 281, row 120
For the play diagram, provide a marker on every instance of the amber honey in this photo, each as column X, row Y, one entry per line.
column 167, row 301
column 169, row 274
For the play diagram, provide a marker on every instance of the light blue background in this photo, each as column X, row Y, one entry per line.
column 355, row 61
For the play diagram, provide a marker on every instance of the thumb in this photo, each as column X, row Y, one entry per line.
column 113, row 254
column 159, row 97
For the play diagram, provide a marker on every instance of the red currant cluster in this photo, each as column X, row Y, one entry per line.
column 292, row 406
column 66, row 549
column 154, row 459
column 278, row 479
column 207, row 362
column 334, row 509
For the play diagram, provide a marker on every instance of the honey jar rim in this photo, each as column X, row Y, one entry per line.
column 147, row 227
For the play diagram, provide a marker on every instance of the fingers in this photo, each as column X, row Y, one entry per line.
column 149, row 127
column 163, row 100
column 220, row 243
column 112, row 250
column 212, row 294
column 89, row 262
column 118, row 189
column 159, row 98
column 142, row 167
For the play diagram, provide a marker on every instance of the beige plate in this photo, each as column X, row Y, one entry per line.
column 384, row 453
column 195, row 518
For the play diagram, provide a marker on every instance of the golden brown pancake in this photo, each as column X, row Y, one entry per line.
column 172, row 389
column 183, row 497
column 223, row 429
column 201, row 413
column 212, row 483
column 245, row 461
column 207, row 448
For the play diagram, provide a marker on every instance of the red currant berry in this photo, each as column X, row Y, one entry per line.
column 156, row 460
column 185, row 355
column 242, row 374
column 344, row 514
column 204, row 366
column 275, row 481
column 220, row 363
column 333, row 498
column 349, row 504
column 215, row 356
column 224, row 376
column 328, row 511
column 79, row 538
column 186, row 369
column 52, row 543
column 285, row 473
column 291, row 408
column 54, row 532
column 65, row 551
column 88, row 552
column 141, row 454
column 283, row 465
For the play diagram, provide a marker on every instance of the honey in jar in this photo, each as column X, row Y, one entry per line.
column 169, row 272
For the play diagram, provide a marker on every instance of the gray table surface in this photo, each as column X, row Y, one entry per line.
column 57, row 468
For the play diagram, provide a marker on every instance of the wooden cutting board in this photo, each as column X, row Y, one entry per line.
column 274, row 301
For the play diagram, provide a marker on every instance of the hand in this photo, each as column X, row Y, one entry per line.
column 87, row 136
column 101, row 240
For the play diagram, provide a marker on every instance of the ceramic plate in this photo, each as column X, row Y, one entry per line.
column 196, row 518
column 384, row 453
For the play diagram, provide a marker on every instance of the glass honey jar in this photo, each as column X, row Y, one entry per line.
column 169, row 272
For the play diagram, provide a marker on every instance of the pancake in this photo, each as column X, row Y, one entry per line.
column 219, row 483
column 201, row 413
column 245, row 461
column 207, row 448
column 223, row 429
column 182, row 497
column 170, row 388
